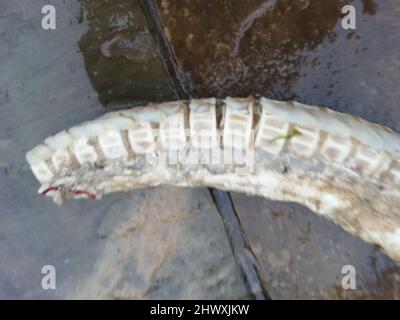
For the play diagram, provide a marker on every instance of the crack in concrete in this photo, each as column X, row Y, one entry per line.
column 178, row 78
column 242, row 252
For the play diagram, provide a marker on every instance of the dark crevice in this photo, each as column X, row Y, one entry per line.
column 178, row 78
column 240, row 248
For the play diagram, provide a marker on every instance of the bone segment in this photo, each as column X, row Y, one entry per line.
column 336, row 164
column 203, row 124
column 87, row 130
column 61, row 140
column 37, row 159
column 272, row 133
column 59, row 145
column 141, row 138
column 238, row 121
column 392, row 175
column 365, row 160
column 305, row 142
column 336, row 149
column 292, row 125
column 172, row 127
column 84, row 151
column 61, row 158
column 112, row 144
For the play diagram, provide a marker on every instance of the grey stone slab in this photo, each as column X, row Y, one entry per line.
column 169, row 242
column 165, row 243
column 297, row 50
column 121, row 55
column 301, row 255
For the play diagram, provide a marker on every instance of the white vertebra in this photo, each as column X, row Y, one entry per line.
column 37, row 159
column 112, row 145
column 238, row 121
column 84, row 152
column 81, row 147
column 336, row 148
column 110, row 141
column 59, row 144
column 304, row 142
column 272, row 133
column 203, row 124
column 336, row 164
column 172, row 126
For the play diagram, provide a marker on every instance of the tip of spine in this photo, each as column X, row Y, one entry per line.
column 38, row 154
column 87, row 130
column 118, row 123
column 60, row 140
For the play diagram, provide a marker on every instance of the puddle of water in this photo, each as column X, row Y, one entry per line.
column 278, row 48
column 293, row 50
column 121, row 55
column 357, row 71
column 290, row 50
column 246, row 47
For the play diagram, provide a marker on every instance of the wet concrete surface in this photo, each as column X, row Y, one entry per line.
column 290, row 50
column 297, row 50
column 122, row 58
column 100, row 249
column 107, row 249
column 164, row 243
column 301, row 255
column 245, row 47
